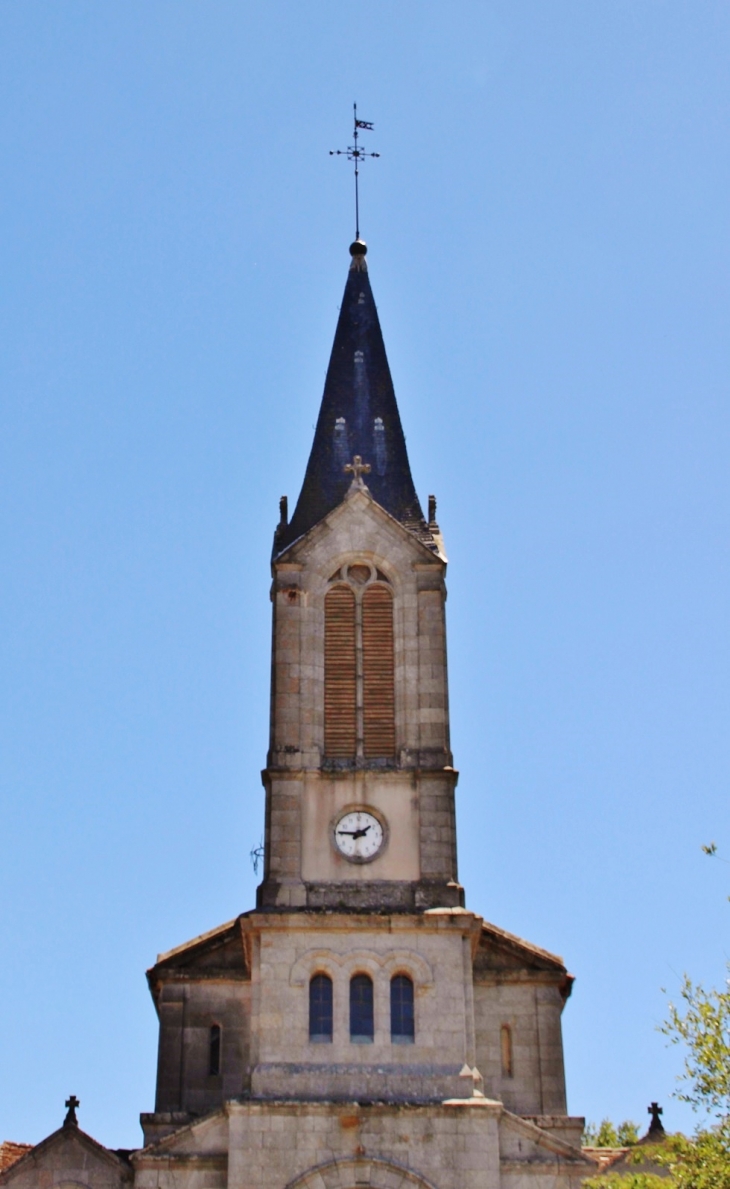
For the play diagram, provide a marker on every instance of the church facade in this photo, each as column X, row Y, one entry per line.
column 361, row 1025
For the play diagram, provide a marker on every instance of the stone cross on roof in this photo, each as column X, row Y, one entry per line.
column 655, row 1127
column 357, row 468
column 72, row 1102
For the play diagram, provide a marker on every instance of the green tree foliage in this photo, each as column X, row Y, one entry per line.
column 632, row 1180
column 608, row 1135
column 699, row 1163
column 702, row 1023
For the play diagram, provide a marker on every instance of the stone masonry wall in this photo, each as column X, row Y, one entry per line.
column 532, row 1012
column 432, row 949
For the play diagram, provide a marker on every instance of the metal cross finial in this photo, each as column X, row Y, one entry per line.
column 357, row 468
column 354, row 153
column 72, row 1102
column 655, row 1111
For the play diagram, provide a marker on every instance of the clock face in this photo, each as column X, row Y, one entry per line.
column 358, row 835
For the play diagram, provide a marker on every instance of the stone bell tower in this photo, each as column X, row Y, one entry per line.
column 359, row 702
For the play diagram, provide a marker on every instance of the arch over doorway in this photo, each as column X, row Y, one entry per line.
column 351, row 1171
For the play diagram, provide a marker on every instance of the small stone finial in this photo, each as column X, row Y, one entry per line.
column 656, row 1127
column 283, row 511
column 358, row 248
column 357, row 468
column 71, row 1102
column 432, row 509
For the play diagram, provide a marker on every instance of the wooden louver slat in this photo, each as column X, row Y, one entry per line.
column 378, row 673
column 340, row 674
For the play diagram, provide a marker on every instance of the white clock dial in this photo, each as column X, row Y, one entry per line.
column 358, row 835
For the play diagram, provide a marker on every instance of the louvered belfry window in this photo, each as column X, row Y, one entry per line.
column 378, row 694
column 359, row 679
column 340, row 674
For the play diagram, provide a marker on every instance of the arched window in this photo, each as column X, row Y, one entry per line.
column 340, row 674
column 505, row 1044
column 402, row 1019
column 320, row 1009
column 214, row 1050
column 378, row 693
column 362, row 1022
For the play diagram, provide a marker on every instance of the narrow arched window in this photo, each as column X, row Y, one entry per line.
column 320, row 1009
column 214, row 1050
column 362, row 1021
column 402, row 1019
column 505, row 1042
column 378, row 686
column 340, row 674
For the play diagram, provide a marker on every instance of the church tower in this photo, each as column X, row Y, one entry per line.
column 361, row 1026
column 359, row 779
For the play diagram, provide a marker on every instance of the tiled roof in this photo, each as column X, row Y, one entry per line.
column 10, row 1152
column 358, row 415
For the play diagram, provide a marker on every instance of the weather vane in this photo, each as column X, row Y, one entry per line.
column 354, row 153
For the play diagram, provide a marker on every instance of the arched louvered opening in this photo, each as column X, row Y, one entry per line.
column 320, row 1009
column 378, row 683
column 362, row 1016
column 402, row 1018
column 340, row 674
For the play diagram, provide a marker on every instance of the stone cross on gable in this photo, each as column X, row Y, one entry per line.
column 72, row 1102
column 357, row 468
column 656, row 1124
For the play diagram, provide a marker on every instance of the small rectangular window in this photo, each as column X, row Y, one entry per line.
column 505, row 1039
column 214, row 1050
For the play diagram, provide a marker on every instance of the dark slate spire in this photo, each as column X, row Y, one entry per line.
column 358, row 415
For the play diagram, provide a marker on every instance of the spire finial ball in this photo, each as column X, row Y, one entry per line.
column 358, row 248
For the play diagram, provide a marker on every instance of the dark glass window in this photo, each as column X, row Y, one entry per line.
column 362, row 1027
column 320, row 1009
column 402, row 1022
column 214, row 1050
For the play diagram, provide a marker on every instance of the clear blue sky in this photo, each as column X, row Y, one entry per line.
column 548, row 231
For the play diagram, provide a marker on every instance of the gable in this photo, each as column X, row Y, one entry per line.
column 499, row 952
column 218, row 954
column 356, row 526
column 68, row 1157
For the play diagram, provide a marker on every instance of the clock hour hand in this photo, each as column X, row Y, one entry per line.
column 355, row 833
